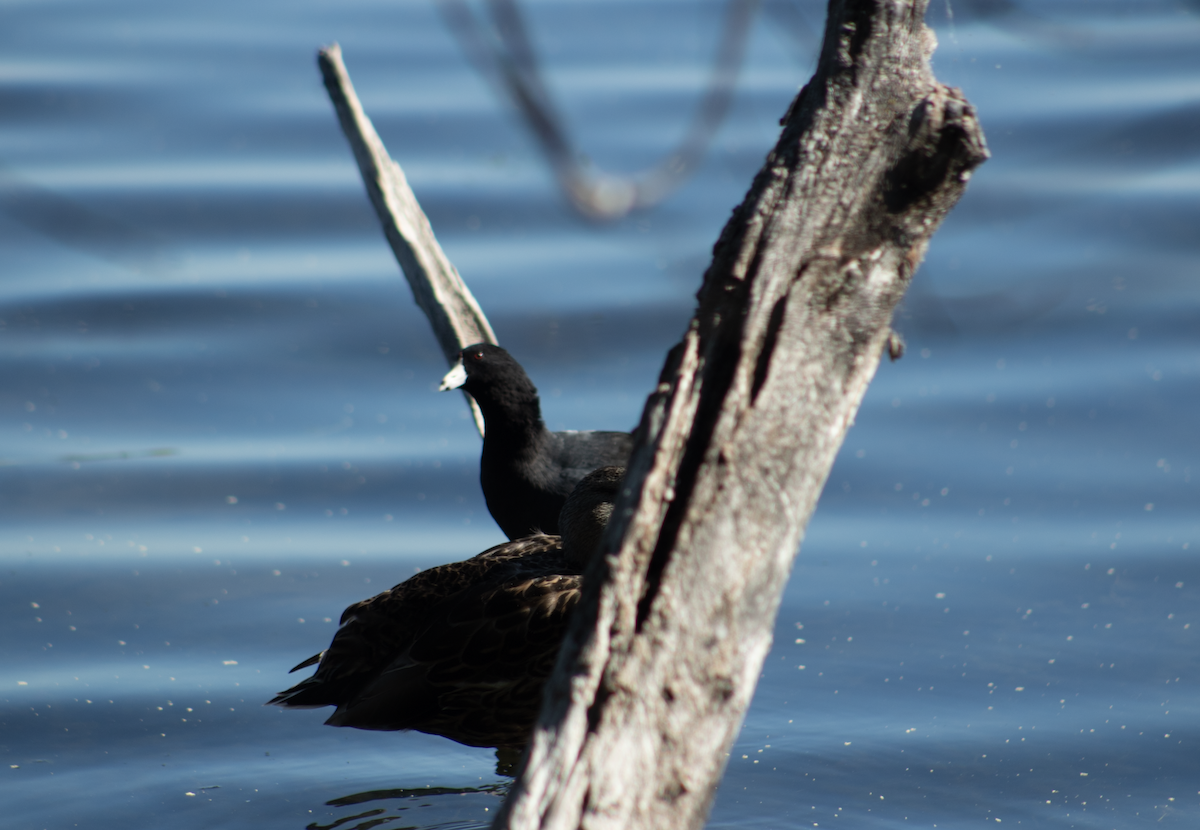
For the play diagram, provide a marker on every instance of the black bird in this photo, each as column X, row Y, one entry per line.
column 462, row 650
column 526, row 471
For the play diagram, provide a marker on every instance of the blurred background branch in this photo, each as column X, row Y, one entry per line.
column 499, row 47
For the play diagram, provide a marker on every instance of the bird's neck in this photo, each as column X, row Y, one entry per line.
column 514, row 415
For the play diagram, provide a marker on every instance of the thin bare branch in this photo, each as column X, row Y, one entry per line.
column 457, row 319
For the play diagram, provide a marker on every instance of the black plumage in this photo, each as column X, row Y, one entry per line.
column 526, row 470
column 462, row 650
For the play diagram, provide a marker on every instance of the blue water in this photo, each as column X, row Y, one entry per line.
column 219, row 423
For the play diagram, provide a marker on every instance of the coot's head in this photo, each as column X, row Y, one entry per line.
column 586, row 513
column 483, row 369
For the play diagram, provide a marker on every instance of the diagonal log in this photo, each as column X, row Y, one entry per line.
column 736, row 442
column 439, row 291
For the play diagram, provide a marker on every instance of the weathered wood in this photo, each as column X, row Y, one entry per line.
column 439, row 291
column 737, row 441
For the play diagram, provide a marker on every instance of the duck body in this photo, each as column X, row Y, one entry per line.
column 526, row 471
column 462, row 650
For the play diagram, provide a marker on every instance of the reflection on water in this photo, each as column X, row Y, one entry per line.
column 220, row 424
column 378, row 795
column 378, row 817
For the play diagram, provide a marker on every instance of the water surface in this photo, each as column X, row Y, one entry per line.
column 220, row 424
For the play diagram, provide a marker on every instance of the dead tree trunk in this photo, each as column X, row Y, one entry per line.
column 737, row 441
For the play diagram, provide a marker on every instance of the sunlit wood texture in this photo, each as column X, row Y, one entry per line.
column 738, row 439
column 439, row 291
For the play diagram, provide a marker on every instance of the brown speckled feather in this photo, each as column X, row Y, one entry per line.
column 462, row 650
column 459, row 650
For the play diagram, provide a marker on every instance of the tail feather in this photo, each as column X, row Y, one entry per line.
column 311, row 661
column 312, row 693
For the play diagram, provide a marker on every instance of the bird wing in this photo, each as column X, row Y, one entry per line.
column 475, row 674
column 376, row 632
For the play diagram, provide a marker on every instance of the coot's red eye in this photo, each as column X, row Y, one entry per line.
column 477, row 355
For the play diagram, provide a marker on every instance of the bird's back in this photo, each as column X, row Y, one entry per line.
column 525, row 491
column 579, row 453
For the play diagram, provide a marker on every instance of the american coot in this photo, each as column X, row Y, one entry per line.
column 526, row 471
column 462, row 650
